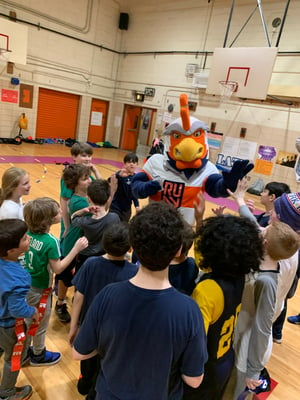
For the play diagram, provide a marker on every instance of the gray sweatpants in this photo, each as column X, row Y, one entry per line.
column 33, row 299
column 8, row 339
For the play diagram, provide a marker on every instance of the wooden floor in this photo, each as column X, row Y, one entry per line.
column 59, row 381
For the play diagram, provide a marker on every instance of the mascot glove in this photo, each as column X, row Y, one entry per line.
column 239, row 169
column 158, row 179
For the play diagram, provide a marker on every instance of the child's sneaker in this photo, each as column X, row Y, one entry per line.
column 22, row 393
column 83, row 386
column 62, row 312
column 295, row 319
column 45, row 358
column 265, row 386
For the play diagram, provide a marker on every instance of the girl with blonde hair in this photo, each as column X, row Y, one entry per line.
column 15, row 184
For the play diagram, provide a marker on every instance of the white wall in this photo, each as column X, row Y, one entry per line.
column 63, row 63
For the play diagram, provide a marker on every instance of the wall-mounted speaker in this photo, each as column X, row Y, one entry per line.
column 123, row 21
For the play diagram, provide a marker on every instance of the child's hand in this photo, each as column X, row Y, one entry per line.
column 253, row 383
column 199, row 207
column 81, row 244
column 95, row 171
column 218, row 210
column 93, row 209
column 123, row 173
column 240, row 191
column 250, row 205
column 36, row 315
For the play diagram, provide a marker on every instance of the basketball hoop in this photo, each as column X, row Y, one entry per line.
column 226, row 89
column 3, row 57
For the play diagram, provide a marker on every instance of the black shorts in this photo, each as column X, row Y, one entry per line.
column 67, row 275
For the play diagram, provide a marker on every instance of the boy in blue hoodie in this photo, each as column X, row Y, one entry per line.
column 14, row 285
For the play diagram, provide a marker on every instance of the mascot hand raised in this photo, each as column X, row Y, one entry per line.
column 178, row 175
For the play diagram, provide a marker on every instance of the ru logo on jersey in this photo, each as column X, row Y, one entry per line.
column 173, row 193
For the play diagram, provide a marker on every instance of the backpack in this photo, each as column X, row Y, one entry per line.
column 257, row 187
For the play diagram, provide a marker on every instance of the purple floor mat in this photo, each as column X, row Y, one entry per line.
column 53, row 160
column 231, row 204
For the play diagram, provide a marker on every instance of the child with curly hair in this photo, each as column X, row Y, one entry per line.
column 230, row 247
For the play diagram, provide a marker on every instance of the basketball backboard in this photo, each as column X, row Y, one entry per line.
column 250, row 67
column 13, row 41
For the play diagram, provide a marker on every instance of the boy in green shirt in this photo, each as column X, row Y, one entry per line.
column 42, row 260
column 76, row 178
column 82, row 154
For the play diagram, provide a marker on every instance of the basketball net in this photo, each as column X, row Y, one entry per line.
column 226, row 90
column 3, row 56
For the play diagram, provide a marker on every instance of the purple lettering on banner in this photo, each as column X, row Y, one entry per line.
column 266, row 153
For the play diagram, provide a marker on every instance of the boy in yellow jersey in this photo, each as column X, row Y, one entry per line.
column 230, row 247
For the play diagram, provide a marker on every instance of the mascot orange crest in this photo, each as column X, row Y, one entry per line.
column 187, row 145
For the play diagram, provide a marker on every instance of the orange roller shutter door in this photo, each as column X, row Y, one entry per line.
column 57, row 114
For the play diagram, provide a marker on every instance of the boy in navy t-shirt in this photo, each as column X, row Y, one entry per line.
column 144, row 327
column 94, row 275
column 123, row 197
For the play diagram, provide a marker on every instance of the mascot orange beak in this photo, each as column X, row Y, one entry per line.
column 188, row 151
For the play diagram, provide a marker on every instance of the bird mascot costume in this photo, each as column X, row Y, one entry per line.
column 178, row 175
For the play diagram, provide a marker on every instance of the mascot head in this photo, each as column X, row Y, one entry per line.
column 186, row 140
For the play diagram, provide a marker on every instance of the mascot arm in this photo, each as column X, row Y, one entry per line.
column 216, row 185
column 143, row 187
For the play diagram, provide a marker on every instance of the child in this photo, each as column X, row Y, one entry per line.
column 82, row 154
column 270, row 193
column 14, row 286
column 253, row 331
column 183, row 270
column 42, row 260
column 230, row 247
column 95, row 274
column 123, row 197
column 15, row 184
column 93, row 226
column 149, row 336
column 287, row 210
column 76, row 178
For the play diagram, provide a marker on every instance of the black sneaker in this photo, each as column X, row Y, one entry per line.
column 22, row 393
column 83, row 386
column 62, row 312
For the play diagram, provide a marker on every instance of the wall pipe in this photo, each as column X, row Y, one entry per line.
column 124, row 53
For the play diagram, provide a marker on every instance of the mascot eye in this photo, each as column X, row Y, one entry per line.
column 197, row 133
column 176, row 135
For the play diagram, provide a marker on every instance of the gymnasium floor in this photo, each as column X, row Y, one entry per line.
column 45, row 164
